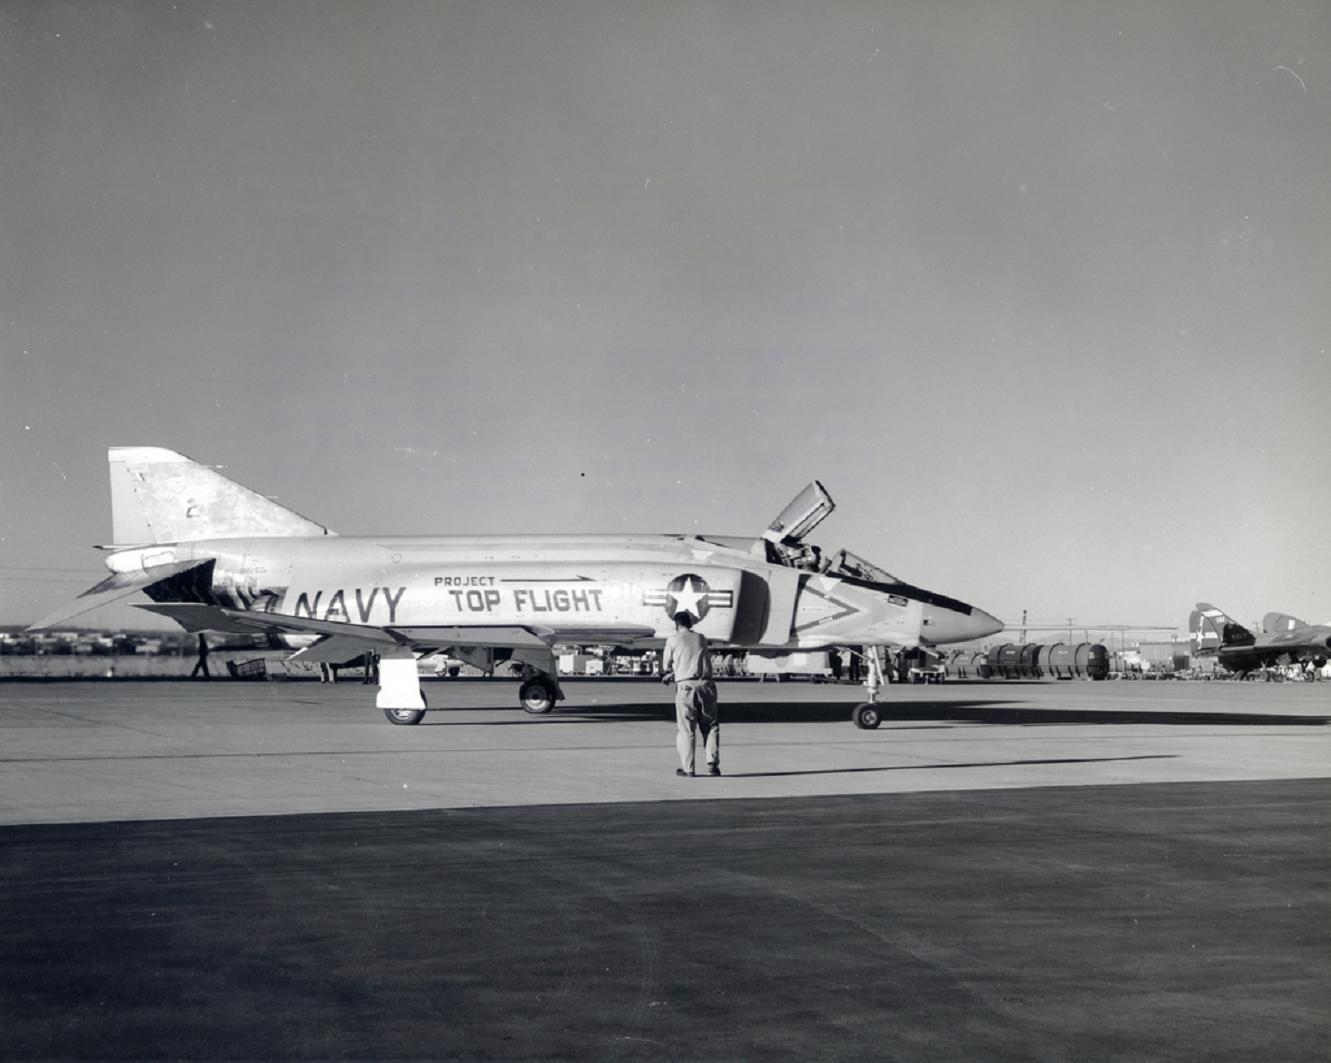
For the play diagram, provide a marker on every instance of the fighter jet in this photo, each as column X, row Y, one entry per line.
column 1284, row 640
column 215, row 556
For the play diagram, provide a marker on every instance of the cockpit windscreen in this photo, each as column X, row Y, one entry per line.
column 844, row 563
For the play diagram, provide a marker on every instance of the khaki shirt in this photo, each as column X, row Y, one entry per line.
column 686, row 655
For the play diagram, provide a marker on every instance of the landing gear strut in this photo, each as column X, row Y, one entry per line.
column 400, row 693
column 866, row 715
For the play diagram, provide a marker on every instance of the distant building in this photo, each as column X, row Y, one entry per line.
column 1165, row 656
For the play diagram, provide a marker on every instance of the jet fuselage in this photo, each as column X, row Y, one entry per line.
column 214, row 555
column 567, row 587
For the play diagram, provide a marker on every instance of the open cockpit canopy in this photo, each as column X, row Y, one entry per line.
column 805, row 512
column 784, row 540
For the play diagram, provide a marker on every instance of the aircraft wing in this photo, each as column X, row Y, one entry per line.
column 522, row 637
column 341, row 641
column 419, row 636
column 194, row 617
column 1282, row 623
column 334, row 649
column 354, row 638
column 1306, row 640
column 116, row 586
column 306, row 625
column 458, row 635
column 367, row 637
column 459, row 641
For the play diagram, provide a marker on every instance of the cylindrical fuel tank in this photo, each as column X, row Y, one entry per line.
column 1042, row 661
column 1061, row 660
column 1097, row 665
column 1008, row 660
column 1028, row 668
column 964, row 664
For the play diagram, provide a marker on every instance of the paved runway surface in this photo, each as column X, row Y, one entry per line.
column 1002, row 871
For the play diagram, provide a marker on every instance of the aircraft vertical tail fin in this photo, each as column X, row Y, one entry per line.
column 159, row 496
column 1211, row 630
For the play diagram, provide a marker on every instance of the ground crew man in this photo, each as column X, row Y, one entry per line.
column 688, row 664
column 201, row 665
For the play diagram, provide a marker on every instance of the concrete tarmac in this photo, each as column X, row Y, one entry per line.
column 79, row 752
column 1002, row 871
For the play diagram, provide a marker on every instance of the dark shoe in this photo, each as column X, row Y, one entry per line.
column 683, row 773
column 713, row 769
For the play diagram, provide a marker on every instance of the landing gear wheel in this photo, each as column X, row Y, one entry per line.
column 537, row 696
column 404, row 717
column 866, row 716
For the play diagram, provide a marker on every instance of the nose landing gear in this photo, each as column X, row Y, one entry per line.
column 866, row 715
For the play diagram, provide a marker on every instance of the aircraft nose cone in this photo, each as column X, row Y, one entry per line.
column 950, row 625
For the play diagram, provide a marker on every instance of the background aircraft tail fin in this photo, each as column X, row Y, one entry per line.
column 159, row 496
column 1210, row 630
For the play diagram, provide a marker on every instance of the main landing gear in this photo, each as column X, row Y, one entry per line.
column 403, row 702
column 404, row 717
column 866, row 715
column 400, row 694
column 538, row 694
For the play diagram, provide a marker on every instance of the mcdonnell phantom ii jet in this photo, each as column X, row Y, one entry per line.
column 1284, row 640
column 215, row 556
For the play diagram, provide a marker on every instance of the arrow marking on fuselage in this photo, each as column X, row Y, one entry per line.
column 550, row 579
column 847, row 609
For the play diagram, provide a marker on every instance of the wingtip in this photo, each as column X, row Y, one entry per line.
column 144, row 455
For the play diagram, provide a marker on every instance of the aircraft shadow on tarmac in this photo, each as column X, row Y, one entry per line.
column 933, row 714
column 938, row 767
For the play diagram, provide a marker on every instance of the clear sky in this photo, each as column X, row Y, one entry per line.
column 1041, row 291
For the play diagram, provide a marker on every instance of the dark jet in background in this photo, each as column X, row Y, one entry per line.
column 1284, row 640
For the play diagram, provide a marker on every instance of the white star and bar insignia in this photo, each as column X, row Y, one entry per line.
column 689, row 594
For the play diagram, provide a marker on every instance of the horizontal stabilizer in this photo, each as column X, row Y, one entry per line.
column 113, row 588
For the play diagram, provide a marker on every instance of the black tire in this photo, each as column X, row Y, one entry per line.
column 537, row 696
column 867, row 716
column 405, row 717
